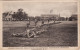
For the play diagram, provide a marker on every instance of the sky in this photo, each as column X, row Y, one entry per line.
column 65, row 9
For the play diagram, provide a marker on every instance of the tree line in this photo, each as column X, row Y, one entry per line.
column 19, row 15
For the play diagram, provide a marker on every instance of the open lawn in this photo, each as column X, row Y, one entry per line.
column 60, row 34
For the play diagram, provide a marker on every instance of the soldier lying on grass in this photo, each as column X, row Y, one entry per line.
column 29, row 33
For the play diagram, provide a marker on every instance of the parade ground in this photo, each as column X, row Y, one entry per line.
column 58, row 34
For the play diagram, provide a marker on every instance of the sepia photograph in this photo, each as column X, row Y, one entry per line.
column 40, row 24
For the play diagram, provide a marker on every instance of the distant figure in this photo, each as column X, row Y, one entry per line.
column 48, row 20
column 28, row 25
column 54, row 21
column 66, row 18
column 36, row 21
column 42, row 21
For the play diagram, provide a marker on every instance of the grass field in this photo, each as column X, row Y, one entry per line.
column 60, row 34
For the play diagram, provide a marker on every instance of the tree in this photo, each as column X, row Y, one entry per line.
column 20, row 15
column 5, row 14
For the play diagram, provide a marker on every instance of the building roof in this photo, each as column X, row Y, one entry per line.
column 49, row 15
